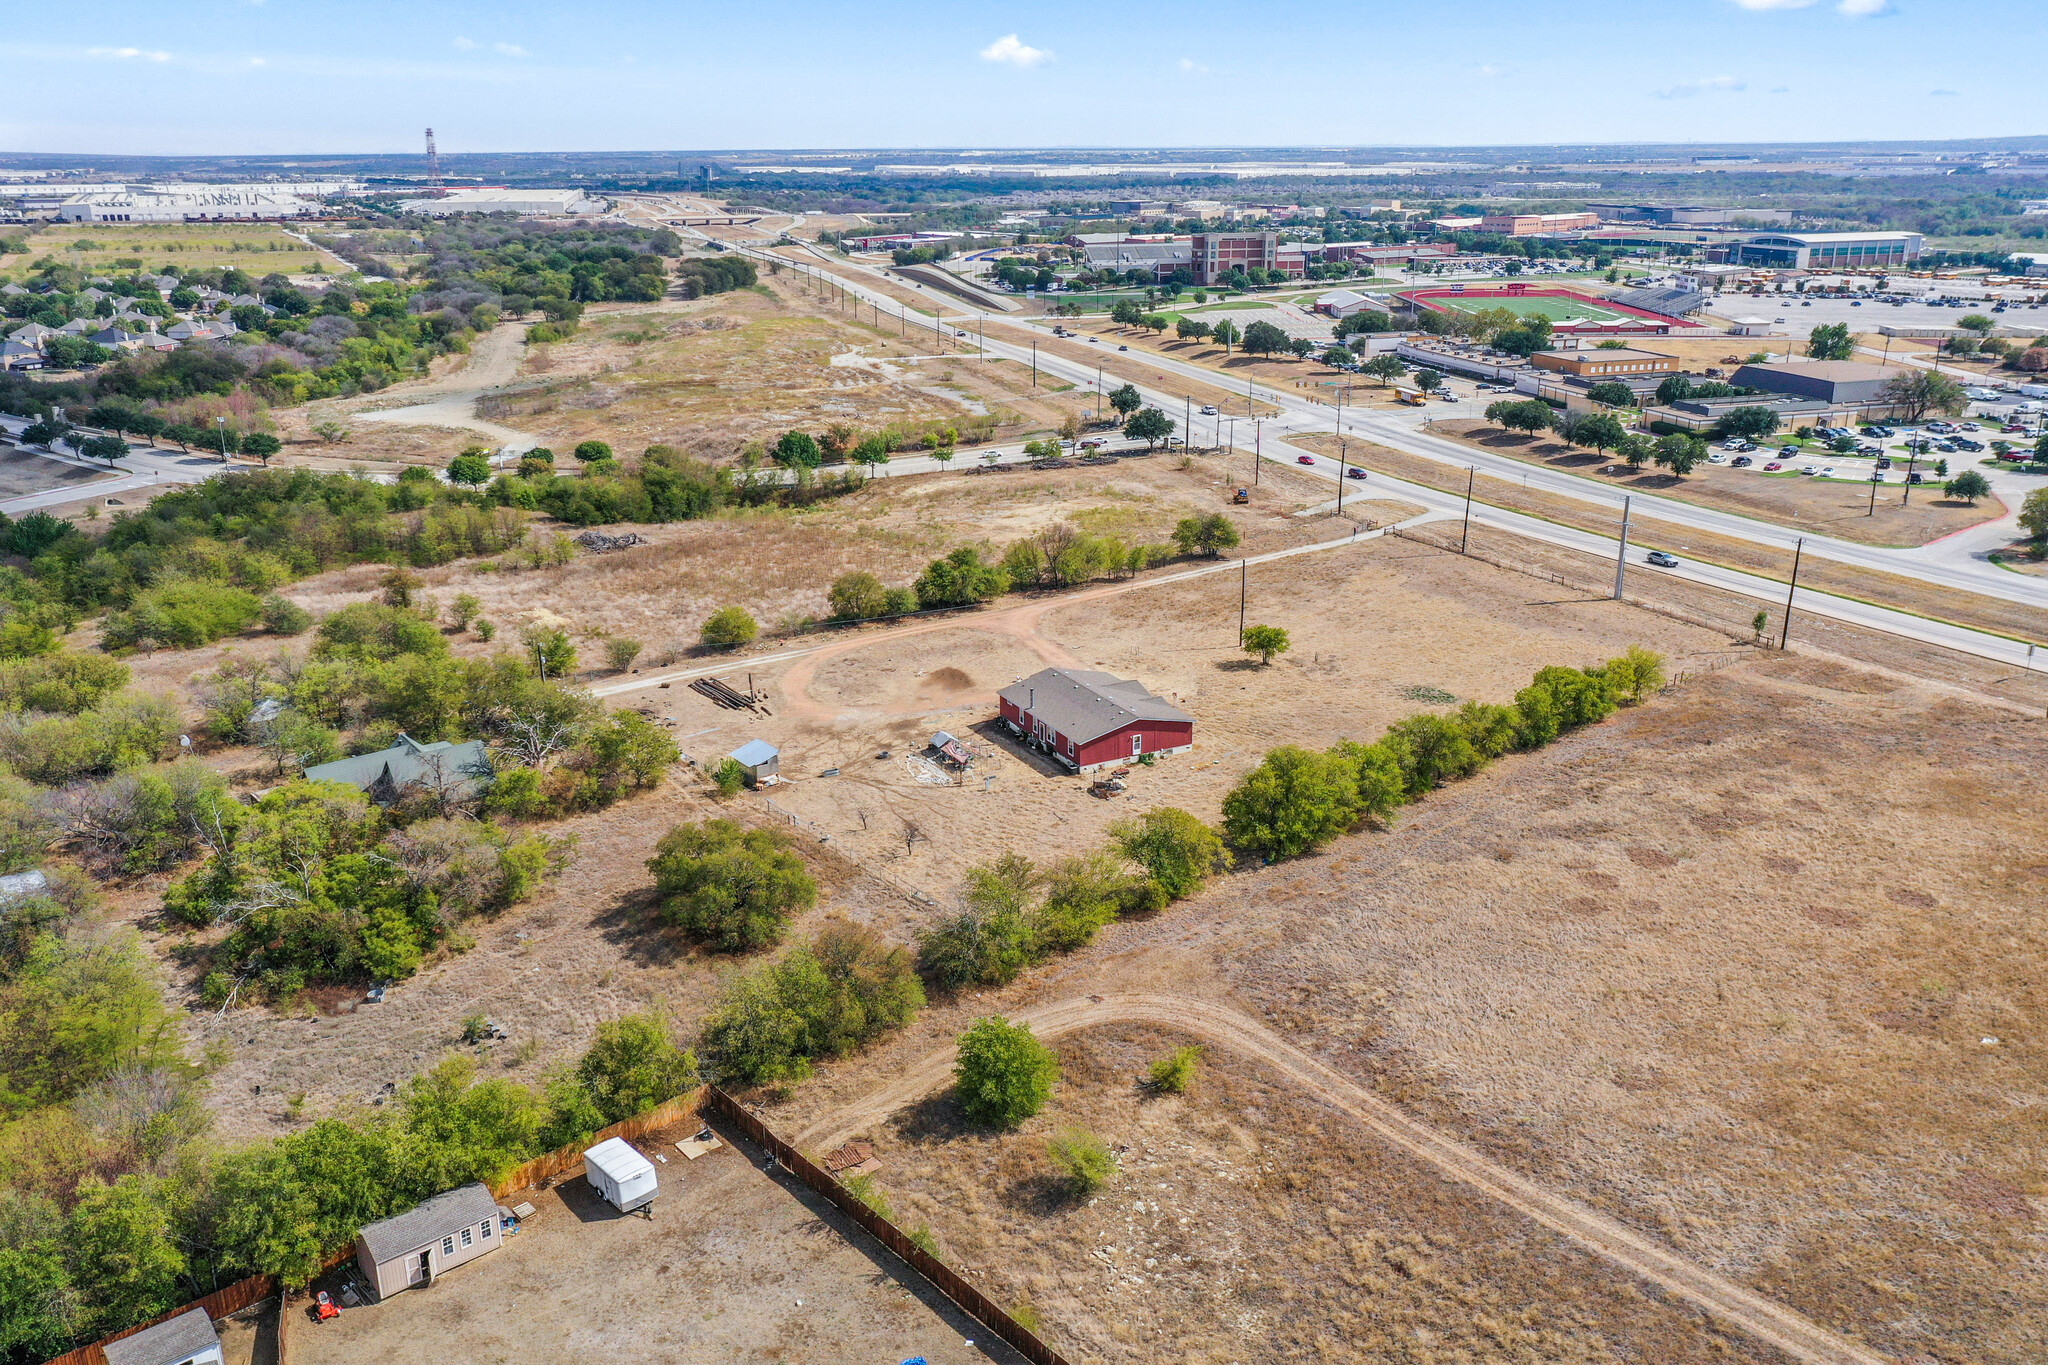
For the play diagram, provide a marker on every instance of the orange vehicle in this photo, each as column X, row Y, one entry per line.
column 1412, row 397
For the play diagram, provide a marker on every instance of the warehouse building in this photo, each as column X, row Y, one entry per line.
column 525, row 203
column 183, row 206
column 1828, row 251
column 1835, row 382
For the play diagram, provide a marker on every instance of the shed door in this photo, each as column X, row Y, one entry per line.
column 422, row 1269
column 1137, row 745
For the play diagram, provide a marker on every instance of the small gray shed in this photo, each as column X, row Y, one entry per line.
column 187, row 1339
column 760, row 759
column 410, row 1249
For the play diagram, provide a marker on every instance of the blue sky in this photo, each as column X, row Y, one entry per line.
column 277, row 76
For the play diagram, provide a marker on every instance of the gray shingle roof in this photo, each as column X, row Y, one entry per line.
column 464, row 1206
column 406, row 764
column 1084, row 704
column 169, row 1342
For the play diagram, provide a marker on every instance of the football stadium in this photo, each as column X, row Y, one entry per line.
column 1570, row 313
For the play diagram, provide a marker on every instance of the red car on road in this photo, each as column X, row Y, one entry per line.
column 1304, row 459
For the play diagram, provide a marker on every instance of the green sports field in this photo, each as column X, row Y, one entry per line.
column 1529, row 305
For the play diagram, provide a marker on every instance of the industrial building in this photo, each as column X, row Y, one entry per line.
column 1824, row 381
column 185, row 206
column 525, row 203
column 1827, row 251
column 1536, row 224
column 1598, row 363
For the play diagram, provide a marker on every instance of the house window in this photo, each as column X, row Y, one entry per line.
column 485, row 1228
column 467, row 1240
column 447, row 1246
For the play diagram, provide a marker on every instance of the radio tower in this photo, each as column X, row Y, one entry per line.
column 433, row 160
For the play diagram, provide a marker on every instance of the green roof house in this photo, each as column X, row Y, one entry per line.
column 457, row 771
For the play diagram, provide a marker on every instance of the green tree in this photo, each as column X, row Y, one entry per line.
column 1613, row 393
column 1378, row 779
column 1292, row 802
column 124, row 1250
column 1126, row 400
column 1920, row 392
column 1600, row 430
column 1263, row 338
column 1224, row 333
column 1177, row 851
column 590, row 452
column 1979, row 323
column 729, row 628
column 1149, row 425
column 1674, row 389
column 553, row 655
column 797, row 450
column 1750, row 423
column 1969, row 486
column 1385, row 368
column 108, row 448
column 1636, row 449
column 1430, row 751
column 734, row 888
column 2034, row 512
column 1265, row 641
column 470, row 470
column 858, row 596
column 1191, row 329
column 961, row 578
column 1831, row 341
column 1210, row 535
column 1126, row 313
column 634, row 1065
column 1003, row 1075
column 1428, row 380
column 1679, row 452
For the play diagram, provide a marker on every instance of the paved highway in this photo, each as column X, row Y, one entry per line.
column 1299, row 415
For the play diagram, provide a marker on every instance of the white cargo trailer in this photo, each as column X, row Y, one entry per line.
column 623, row 1177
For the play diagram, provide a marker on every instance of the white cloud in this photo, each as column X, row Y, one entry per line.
column 1711, row 84
column 1008, row 49
column 1187, row 64
column 1945, row 94
column 125, row 53
column 1780, row 90
column 1492, row 69
column 508, row 49
column 465, row 44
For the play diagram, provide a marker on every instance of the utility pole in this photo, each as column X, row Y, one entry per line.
column 1258, row 446
column 1244, row 570
column 1187, row 419
column 1786, row 633
column 1621, row 557
column 1470, row 474
column 1098, row 392
column 1876, row 478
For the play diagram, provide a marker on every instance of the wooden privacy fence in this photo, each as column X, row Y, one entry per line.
column 218, row 1304
column 971, row 1301
column 541, row 1168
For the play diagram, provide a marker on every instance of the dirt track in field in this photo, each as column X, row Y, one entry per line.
column 1797, row 1336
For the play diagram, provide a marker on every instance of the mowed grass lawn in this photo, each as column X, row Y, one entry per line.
column 1526, row 305
column 258, row 248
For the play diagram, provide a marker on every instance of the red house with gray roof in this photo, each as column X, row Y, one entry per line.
column 1088, row 719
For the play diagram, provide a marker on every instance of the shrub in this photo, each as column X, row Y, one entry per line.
column 66, row 682
column 732, row 887
column 1292, row 802
column 1083, row 1158
column 847, row 987
column 961, row 578
column 729, row 627
column 1381, row 786
column 590, row 452
column 858, row 596
column 1178, row 852
column 282, row 616
column 1175, row 1072
column 122, row 731
column 634, row 1065
column 620, row 652
column 1634, row 675
column 729, row 777
column 1431, row 750
column 1210, row 535
column 981, row 945
column 1003, row 1075
column 1083, row 893
column 184, row 614
column 371, row 633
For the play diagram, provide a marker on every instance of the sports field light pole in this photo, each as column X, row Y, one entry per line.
column 1786, row 633
column 1621, row 557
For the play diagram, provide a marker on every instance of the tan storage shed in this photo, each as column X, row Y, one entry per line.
column 413, row 1248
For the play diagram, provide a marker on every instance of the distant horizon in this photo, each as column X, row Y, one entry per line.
column 308, row 78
